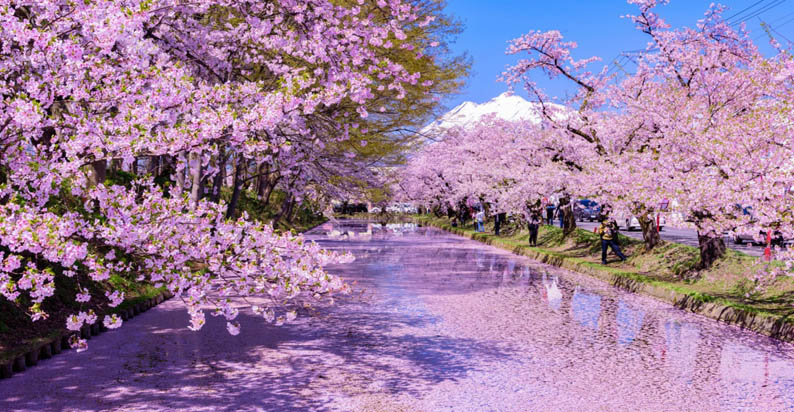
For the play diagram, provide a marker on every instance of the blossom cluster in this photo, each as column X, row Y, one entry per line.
column 703, row 124
column 85, row 84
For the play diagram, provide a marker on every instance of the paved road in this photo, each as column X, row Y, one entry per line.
column 439, row 323
column 684, row 236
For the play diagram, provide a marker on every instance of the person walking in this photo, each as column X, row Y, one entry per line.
column 560, row 216
column 608, row 230
column 480, row 217
column 550, row 214
column 534, row 224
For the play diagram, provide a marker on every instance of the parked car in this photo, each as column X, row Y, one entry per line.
column 402, row 208
column 586, row 209
column 632, row 223
column 740, row 238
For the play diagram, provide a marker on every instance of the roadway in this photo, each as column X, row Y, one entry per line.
column 684, row 236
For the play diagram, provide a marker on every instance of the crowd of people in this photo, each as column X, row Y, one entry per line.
column 607, row 230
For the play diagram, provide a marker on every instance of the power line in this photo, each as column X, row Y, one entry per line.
column 763, row 10
column 745, row 9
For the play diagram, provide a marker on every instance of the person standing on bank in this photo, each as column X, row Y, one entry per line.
column 534, row 224
column 499, row 220
column 480, row 217
column 608, row 230
column 550, row 214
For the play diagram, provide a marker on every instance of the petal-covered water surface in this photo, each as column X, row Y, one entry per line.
column 541, row 338
column 436, row 323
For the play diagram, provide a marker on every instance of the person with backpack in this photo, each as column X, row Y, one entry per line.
column 608, row 230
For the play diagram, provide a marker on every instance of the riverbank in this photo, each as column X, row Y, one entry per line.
column 725, row 292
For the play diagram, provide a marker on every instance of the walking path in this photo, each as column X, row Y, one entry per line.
column 439, row 323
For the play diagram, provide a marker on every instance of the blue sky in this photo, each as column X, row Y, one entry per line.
column 594, row 24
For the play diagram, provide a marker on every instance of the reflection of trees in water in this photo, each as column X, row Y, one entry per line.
column 682, row 339
column 689, row 356
column 629, row 321
column 586, row 308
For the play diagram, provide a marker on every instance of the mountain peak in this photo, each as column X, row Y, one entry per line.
column 507, row 106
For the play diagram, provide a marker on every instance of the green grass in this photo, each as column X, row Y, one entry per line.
column 669, row 266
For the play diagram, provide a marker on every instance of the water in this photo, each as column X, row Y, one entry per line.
column 437, row 323
column 559, row 340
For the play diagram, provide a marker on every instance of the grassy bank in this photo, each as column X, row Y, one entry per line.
column 725, row 292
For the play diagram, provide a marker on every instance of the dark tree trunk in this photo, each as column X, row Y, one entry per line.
column 568, row 219
column 712, row 248
column 650, row 233
column 286, row 206
column 217, row 182
column 134, row 169
column 98, row 172
column 269, row 191
column 291, row 212
column 263, row 181
column 153, row 165
column 195, row 179
column 236, row 184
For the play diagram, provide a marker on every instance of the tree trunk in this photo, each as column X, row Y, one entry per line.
column 236, row 184
column 263, row 182
column 152, row 166
column 650, row 233
column 269, row 191
column 568, row 219
column 180, row 179
column 291, row 212
column 287, row 206
column 712, row 248
column 98, row 172
column 195, row 179
column 217, row 182
column 134, row 169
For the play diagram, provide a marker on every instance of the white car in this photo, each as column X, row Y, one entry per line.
column 632, row 223
column 401, row 208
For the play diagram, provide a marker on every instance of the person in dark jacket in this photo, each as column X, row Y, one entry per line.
column 534, row 224
column 499, row 220
column 608, row 230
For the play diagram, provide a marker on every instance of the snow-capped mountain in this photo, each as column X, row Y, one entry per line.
column 505, row 106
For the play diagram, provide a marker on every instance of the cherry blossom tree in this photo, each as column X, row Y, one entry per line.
column 85, row 84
